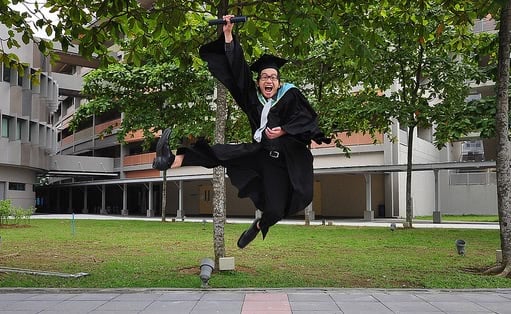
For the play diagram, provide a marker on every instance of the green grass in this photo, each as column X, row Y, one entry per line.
column 154, row 254
column 464, row 218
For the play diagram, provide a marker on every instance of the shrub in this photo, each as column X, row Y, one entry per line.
column 27, row 213
column 17, row 213
column 5, row 211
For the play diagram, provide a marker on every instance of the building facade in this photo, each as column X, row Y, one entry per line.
column 27, row 113
column 59, row 171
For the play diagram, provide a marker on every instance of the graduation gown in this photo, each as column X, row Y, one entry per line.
column 245, row 162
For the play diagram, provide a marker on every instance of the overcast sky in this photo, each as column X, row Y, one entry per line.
column 28, row 6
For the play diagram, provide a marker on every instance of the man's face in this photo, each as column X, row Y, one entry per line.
column 269, row 82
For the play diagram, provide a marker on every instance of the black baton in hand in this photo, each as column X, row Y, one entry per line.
column 235, row 19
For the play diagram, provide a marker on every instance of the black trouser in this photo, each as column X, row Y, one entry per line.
column 260, row 174
column 277, row 189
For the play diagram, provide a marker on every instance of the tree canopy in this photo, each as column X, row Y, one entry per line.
column 366, row 65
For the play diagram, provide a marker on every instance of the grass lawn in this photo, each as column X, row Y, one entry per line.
column 154, row 254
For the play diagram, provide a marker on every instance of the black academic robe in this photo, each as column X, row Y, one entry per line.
column 292, row 112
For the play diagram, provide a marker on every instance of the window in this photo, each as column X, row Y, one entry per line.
column 20, row 78
column 5, row 127
column 425, row 133
column 6, row 77
column 19, row 126
column 32, row 77
column 15, row 186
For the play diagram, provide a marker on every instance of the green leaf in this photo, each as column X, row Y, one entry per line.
column 49, row 30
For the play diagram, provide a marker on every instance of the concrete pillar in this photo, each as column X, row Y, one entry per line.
column 124, row 151
column 70, row 201
column 103, row 211
column 150, row 209
column 437, row 217
column 124, row 211
column 58, row 199
column 368, row 213
column 180, row 210
column 85, row 209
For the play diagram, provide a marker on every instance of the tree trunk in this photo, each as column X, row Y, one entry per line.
column 219, row 172
column 164, row 196
column 219, row 177
column 502, row 132
column 409, row 201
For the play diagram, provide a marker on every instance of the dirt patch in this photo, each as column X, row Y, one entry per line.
column 12, row 255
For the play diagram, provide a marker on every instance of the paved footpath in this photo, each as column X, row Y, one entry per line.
column 248, row 301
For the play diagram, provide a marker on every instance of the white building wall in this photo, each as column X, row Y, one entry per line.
column 469, row 199
column 423, row 182
column 25, row 151
column 9, row 174
column 363, row 155
column 5, row 91
column 478, row 196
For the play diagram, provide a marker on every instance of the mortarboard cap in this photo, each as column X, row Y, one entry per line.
column 267, row 61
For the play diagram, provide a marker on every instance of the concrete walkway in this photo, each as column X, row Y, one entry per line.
column 378, row 222
column 271, row 301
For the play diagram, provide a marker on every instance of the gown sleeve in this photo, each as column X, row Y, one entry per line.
column 302, row 120
column 232, row 71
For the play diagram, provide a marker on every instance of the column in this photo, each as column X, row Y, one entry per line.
column 437, row 217
column 180, row 211
column 70, row 201
column 103, row 211
column 85, row 209
column 150, row 209
column 58, row 200
column 368, row 213
column 124, row 211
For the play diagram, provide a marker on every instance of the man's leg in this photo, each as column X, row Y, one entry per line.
column 276, row 188
column 178, row 161
column 200, row 155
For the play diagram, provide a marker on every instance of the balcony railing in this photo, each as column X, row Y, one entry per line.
column 352, row 140
column 103, row 126
column 142, row 159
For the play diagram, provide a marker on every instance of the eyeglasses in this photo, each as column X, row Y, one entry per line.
column 273, row 78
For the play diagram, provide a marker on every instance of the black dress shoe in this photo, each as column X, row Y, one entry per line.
column 164, row 157
column 248, row 235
